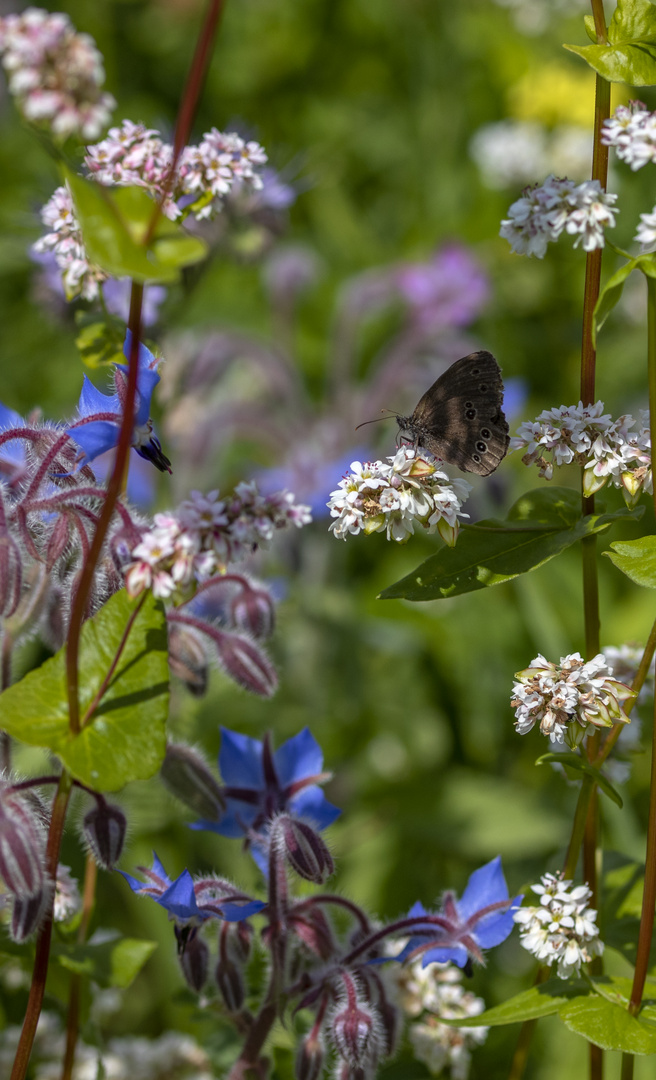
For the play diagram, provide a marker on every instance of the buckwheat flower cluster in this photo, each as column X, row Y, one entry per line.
column 428, row 995
column 134, row 155
column 395, row 495
column 205, row 534
column 55, row 74
column 585, row 435
column 64, row 239
column 570, row 699
column 556, row 206
column 632, row 131
column 562, row 930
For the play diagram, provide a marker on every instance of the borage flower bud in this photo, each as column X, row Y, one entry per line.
column 304, row 849
column 253, row 612
column 313, row 928
column 354, row 1029
column 230, row 984
column 239, row 939
column 310, row 1058
column 187, row 776
column 28, row 914
column 188, row 658
column 104, row 828
column 22, row 846
column 194, row 961
column 244, row 662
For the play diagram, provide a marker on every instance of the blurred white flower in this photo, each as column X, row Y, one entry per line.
column 513, row 152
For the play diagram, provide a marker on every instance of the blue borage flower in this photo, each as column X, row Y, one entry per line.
column 99, row 423
column 261, row 783
column 191, row 903
column 482, row 918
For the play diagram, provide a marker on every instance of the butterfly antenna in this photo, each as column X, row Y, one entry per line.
column 378, row 418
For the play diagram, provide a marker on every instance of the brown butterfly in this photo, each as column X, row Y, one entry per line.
column 460, row 418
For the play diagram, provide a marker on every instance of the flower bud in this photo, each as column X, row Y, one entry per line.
column 194, row 961
column 310, row 1058
column 239, row 939
column 354, row 1031
column 253, row 612
column 304, row 849
column 190, row 779
column 244, row 662
column 592, row 482
column 230, row 983
column 632, row 485
column 57, row 541
column 104, row 829
column 188, row 658
column 313, row 928
column 28, row 914
column 22, row 845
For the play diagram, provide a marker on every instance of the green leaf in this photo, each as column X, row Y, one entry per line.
column 544, row 1000
column 610, row 296
column 630, row 55
column 609, row 1025
column 99, row 341
column 636, row 559
column 539, row 526
column 125, row 738
column 114, row 223
column 108, row 963
column 575, row 763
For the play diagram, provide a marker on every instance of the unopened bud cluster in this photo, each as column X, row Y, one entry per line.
column 394, row 496
column 609, row 450
column 568, row 700
column 562, row 930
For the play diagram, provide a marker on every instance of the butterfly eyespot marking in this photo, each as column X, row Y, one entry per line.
column 482, row 447
column 470, row 414
column 476, row 371
column 476, row 457
column 485, row 433
column 483, row 388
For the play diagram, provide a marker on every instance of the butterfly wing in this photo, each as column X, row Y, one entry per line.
column 460, row 417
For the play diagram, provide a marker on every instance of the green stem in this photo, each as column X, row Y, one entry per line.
column 42, row 956
column 74, row 996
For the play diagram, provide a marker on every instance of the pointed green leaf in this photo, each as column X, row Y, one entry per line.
column 114, row 222
column 575, row 763
column 99, row 341
column 636, row 559
column 630, row 55
column 543, row 1000
column 609, row 1025
column 125, row 739
column 114, row 962
column 610, row 296
column 539, row 526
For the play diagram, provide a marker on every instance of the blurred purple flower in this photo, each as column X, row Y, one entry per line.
column 116, row 293
column 311, row 477
column 275, row 193
column 449, row 289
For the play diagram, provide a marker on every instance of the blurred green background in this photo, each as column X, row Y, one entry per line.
column 371, row 106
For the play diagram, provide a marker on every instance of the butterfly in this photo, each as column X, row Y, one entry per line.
column 460, row 417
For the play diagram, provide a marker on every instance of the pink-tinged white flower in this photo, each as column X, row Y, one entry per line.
column 563, row 929
column 393, row 496
column 55, row 74
column 632, row 131
column 559, row 205
column 64, row 239
column 585, row 435
column 646, row 234
column 569, row 700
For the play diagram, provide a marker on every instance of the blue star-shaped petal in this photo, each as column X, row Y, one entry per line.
column 98, row 425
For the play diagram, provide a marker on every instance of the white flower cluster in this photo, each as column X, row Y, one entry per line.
column 134, row 155
column 55, row 73
column 513, row 152
column 632, row 131
column 205, row 534
column 563, row 929
column 397, row 494
column 585, row 435
column 570, row 699
column 64, row 240
column 428, row 995
column 559, row 205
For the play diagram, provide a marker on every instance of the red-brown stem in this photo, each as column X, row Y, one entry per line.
column 42, row 957
column 73, row 1016
column 114, row 664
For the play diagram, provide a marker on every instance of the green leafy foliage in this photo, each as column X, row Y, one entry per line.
column 539, row 526
column 99, row 341
column 574, row 763
column 114, row 224
column 125, row 738
column 534, row 1004
column 112, row 962
column 630, row 55
column 636, row 559
column 609, row 1024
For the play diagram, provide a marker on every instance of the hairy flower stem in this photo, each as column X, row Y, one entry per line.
column 42, row 957
column 73, row 1015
